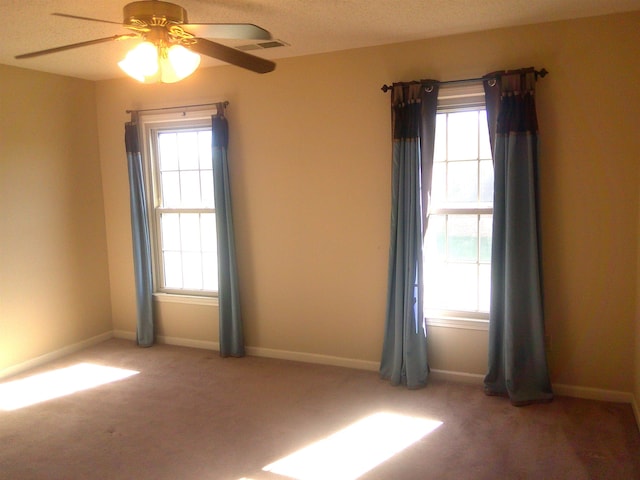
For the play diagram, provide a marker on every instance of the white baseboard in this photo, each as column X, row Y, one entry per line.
column 589, row 393
column 177, row 341
column 458, row 377
column 262, row 352
column 124, row 334
column 313, row 358
column 461, row 377
column 187, row 342
column 49, row 357
column 586, row 393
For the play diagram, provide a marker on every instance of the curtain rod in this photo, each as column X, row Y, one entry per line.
column 217, row 104
column 539, row 73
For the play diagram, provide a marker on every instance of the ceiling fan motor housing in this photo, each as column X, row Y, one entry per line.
column 154, row 12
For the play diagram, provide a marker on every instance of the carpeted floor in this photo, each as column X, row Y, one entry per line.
column 191, row 415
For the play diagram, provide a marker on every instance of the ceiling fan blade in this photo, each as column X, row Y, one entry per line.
column 233, row 56
column 85, row 18
column 76, row 45
column 241, row 31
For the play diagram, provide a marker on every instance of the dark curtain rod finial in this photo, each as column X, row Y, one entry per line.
column 539, row 73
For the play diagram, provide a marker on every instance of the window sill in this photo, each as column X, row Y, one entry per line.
column 186, row 299
column 458, row 322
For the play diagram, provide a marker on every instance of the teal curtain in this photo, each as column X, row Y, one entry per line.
column 413, row 113
column 230, row 320
column 517, row 358
column 140, row 239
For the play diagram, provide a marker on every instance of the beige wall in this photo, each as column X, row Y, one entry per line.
column 310, row 170
column 54, row 289
column 636, row 388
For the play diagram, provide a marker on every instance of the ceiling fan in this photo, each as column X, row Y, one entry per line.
column 165, row 30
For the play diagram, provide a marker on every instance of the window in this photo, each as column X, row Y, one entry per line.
column 181, row 204
column 457, row 252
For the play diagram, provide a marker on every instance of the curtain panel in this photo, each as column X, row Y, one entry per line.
column 413, row 116
column 517, row 358
column 230, row 319
column 145, row 334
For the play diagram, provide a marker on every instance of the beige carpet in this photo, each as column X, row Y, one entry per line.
column 189, row 414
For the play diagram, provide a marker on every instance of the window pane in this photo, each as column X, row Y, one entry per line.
column 440, row 152
column 452, row 287
column 462, row 281
column 483, row 127
column 458, row 245
column 170, row 226
column 463, row 136
column 184, row 190
column 484, row 288
column 486, row 181
column 190, row 232
column 172, row 270
column 208, row 232
column 204, row 147
column 210, row 271
column 192, row 270
column 188, row 150
column 462, row 182
column 206, row 187
column 170, row 182
column 435, row 286
column 485, row 227
column 190, row 189
column 462, row 238
column 168, row 151
column 439, row 183
column 435, row 241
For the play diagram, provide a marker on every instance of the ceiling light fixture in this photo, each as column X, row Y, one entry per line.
column 162, row 56
column 151, row 63
column 171, row 47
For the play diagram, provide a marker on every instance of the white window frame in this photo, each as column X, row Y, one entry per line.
column 150, row 125
column 460, row 98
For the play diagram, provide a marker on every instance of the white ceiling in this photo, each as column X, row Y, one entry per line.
column 308, row 26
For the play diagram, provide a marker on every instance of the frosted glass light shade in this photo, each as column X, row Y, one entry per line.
column 179, row 63
column 141, row 62
column 148, row 63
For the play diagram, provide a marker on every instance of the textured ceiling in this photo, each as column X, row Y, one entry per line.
column 308, row 26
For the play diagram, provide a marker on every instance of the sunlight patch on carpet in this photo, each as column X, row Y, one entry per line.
column 57, row 383
column 356, row 449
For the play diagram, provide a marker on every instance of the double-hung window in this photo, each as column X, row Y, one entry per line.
column 457, row 251
column 177, row 150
